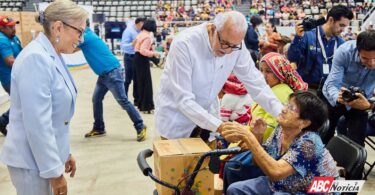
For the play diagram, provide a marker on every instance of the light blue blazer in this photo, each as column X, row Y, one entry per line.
column 42, row 100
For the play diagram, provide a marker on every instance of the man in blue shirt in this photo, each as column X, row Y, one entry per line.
column 111, row 78
column 313, row 51
column 10, row 47
column 128, row 37
column 353, row 65
column 251, row 39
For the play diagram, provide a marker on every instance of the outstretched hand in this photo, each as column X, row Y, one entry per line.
column 258, row 126
column 234, row 132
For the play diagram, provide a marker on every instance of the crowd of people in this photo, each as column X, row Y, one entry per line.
column 288, row 12
column 203, row 11
column 276, row 93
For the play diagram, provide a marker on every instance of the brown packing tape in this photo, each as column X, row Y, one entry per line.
column 167, row 147
column 193, row 145
column 180, row 146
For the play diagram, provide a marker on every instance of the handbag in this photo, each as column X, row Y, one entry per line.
column 240, row 168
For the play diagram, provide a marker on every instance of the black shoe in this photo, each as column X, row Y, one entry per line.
column 148, row 112
column 3, row 129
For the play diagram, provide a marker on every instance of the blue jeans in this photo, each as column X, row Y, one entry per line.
column 4, row 118
column 114, row 82
column 129, row 74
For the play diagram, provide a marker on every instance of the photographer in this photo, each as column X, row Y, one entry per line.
column 313, row 50
column 353, row 65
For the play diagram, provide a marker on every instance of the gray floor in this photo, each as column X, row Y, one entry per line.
column 107, row 165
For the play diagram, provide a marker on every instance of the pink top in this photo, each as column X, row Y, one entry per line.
column 143, row 44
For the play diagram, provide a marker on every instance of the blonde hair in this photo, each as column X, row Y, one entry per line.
column 61, row 10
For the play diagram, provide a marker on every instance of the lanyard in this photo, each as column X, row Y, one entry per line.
column 323, row 48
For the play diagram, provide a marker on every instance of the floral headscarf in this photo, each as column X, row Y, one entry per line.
column 281, row 67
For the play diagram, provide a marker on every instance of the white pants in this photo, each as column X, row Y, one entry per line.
column 28, row 182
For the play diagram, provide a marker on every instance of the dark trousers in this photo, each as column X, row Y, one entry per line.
column 143, row 82
column 356, row 123
column 129, row 74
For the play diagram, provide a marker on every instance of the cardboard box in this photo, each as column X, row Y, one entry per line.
column 176, row 159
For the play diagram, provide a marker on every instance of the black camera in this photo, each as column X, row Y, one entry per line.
column 310, row 23
column 349, row 94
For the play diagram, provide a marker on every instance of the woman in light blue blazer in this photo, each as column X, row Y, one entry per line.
column 36, row 149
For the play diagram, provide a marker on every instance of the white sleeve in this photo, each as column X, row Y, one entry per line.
column 255, row 84
column 181, row 83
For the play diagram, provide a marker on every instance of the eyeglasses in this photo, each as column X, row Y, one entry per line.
column 291, row 107
column 226, row 45
column 80, row 31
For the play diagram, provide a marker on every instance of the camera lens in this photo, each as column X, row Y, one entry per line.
column 347, row 96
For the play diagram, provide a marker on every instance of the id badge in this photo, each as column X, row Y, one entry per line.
column 325, row 68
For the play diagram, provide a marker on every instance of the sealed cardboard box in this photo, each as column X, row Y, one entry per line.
column 175, row 160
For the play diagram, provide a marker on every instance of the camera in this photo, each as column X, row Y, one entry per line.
column 310, row 23
column 349, row 94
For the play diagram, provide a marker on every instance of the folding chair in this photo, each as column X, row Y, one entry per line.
column 371, row 143
column 323, row 129
column 347, row 154
column 370, row 132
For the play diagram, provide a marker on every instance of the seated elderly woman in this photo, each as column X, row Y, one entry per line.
column 283, row 80
column 292, row 156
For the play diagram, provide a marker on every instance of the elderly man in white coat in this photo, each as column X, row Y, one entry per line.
column 199, row 61
column 37, row 149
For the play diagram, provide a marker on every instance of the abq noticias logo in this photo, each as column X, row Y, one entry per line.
column 328, row 184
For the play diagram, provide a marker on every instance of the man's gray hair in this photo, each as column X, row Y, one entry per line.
column 237, row 18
